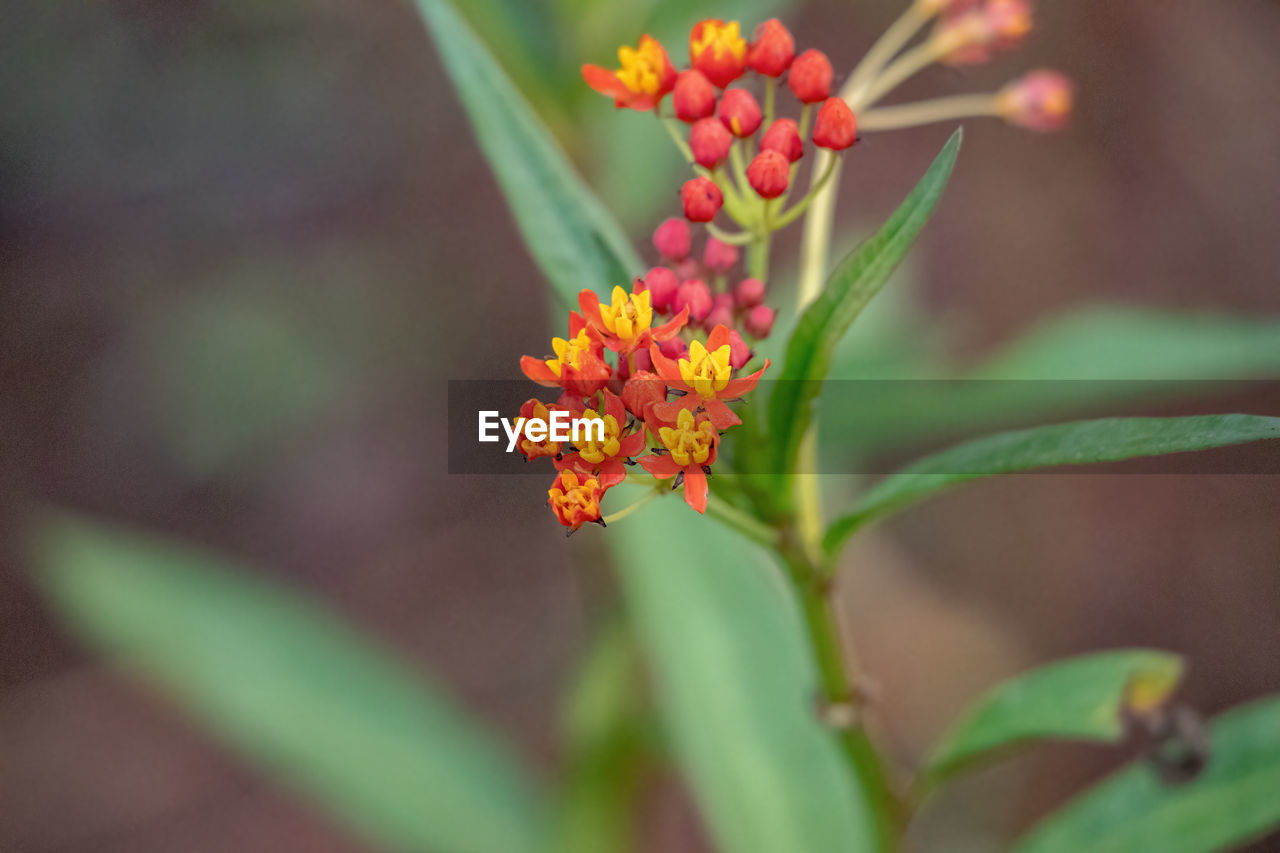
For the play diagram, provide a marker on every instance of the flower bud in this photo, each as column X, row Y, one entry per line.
column 810, row 78
column 687, row 269
column 719, row 256
column 1008, row 21
column 749, row 293
column 694, row 295
column 702, row 199
column 672, row 239
column 739, row 352
column 769, row 174
column 836, row 128
column 710, row 142
column 642, row 390
column 759, row 321
column 674, row 349
column 740, row 112
column 718, row 50
column 661, row 284
column 1040, row 101
column 772, row 50
column 784, row 137
column 694, row 97
column 719, row 316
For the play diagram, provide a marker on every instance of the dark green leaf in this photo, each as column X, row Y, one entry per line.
column 567, row 229
column 848, row 290
column 292, row 689
column 1079, row 443
column 1235, row 800
column 1084, row 698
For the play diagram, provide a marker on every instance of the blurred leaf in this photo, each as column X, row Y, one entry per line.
column 569, row 233
column 292, row 689
column 1236, row 799
column 1084, row 698
column 1078, row 443
column 848, row 290
column 736, row 684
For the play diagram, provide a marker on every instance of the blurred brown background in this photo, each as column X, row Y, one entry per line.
column 244, row 246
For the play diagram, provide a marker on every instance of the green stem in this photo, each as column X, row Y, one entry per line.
column 748, row 525
column 803, row 204
column 741, row 238
column 758, row 257
column 887, row 46
column 927, row 112
column 624, row 512
column 770, row 93
column 673, row 130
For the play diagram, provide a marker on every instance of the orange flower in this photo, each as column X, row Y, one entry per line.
column 645, row 77
column 578, row 365
column 575, row 501
column 536, row 410
column 625, row 324
column 706, row 377
column 718, row 50
column 691, row 442
column 605, row 459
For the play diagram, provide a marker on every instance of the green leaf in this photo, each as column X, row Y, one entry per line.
column 292, row 689
column 1085, row 698
column 566, row 228
column 736, row 684
column 1235, row 800
column 1078, row 443
column 850, row 287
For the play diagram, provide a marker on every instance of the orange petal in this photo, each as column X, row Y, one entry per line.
column 663, row 467
column 669, row 330
column 695, row 488
column 537, row 370
column 604, row 81
column 738, row 387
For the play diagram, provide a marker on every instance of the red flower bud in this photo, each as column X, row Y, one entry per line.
column 1040, row 101
column 687, row 269
column 710, row 142
column 702, row 199
column 718, row 50
column 674, row 349
column 769, row 174
column 642, row 390
column 740, row 112
column 759, row 321
column 719, row 316
column 836, row 127
column 784, row 137
column 694, row 295
column 694, row 97
column 672, row 239
column 773, row 49
column 661, row 284
column 810, row 78
column 719, row 256
column 749, row 293
column 739, row 352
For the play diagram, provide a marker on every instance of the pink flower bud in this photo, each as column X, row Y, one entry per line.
column 749, row 293
column 674, row 349
column 836, row 127
column 642, row 390
column 701, row 199
column 1040, row 101
column 759, row 321
column 672, row 239
column 694, row 97
column 687, row 269
column 772, row 49
column 710, row 142
column 721, row 311
column 661, row 284
column 769, row 174
column 640, row 359
column 719, row 256
column 694, row 295
column 784, row 137
column 739, row 352
column 740, row 112
column 810, row 78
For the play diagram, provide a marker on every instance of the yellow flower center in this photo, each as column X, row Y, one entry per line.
column 719, row 38
column 689, row 444
column 629, row 316
column 641, row 70
column 572, row 501
column 594, row 451
column 568, row 352
column 705, row 372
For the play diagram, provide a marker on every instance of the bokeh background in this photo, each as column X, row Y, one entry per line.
column 246, row 244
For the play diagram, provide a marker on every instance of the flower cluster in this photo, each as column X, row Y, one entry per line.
column 661, row 392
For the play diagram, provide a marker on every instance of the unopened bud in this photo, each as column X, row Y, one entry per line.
column 740, row 112
column 739, row 352
column 674, row 348
column 759, row 321
column 672, row 239
column 710, row 142
column 810, row 78
column 749, row 293
column 836, row 127
column 694, row 295
column 784, row 137
column 694, row 97
column 661, row 284
column 702, row 199
column 772, row 50
column 719, row 256
column 769, row 174
column 1040, row 101
column 642, row 390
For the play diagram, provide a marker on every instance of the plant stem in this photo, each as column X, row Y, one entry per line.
column 803, row 204
column 625, row 511
column 673, row 130
column 927, row 112
column 887, row 46
column 741, row 238
column 748, row 525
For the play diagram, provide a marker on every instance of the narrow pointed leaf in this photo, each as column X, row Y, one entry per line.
column 1078, row 443
column 567, row 230
column 1236, row 799
column 853, row 283
column 292, row 689
column 1085, row 698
